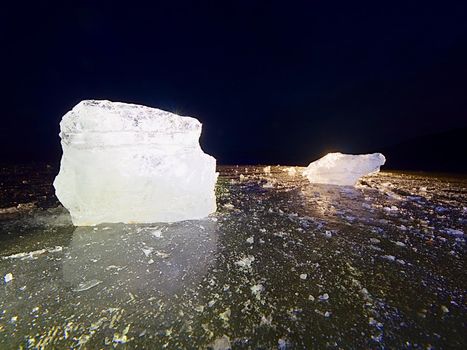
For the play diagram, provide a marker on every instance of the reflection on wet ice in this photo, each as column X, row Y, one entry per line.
column 118, row 259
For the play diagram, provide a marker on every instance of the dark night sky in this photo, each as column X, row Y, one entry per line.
column 272, row 82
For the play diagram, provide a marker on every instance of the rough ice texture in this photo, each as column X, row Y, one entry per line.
column 133, row 164
column 343, row 169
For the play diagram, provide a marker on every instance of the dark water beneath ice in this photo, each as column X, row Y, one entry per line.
column 282, row 264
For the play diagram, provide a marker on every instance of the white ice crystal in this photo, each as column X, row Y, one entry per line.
column 343, row 169
column 133, row 164
column 245, row 262
column 8, row 277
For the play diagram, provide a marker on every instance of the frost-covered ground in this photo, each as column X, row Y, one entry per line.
column 282, row 264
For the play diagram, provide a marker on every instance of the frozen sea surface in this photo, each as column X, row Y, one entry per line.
column 283, row 264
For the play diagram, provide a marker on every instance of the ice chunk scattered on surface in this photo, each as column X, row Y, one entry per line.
column 8, row 277
column 453, row 232
column 222, row 343
column 87, row 285
column 245, row 262
column 34, row 254
column 343, row 169
column 133, row 164
column 256, row 290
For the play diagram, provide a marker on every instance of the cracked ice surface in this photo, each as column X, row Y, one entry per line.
column 291, row 265
column 343, row 169
column 133, row 164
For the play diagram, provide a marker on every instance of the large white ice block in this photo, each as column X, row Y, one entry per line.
column 133, row 164
column 343, row 169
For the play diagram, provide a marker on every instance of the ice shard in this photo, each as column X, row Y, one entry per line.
column 343, row 169
column 133, row 164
